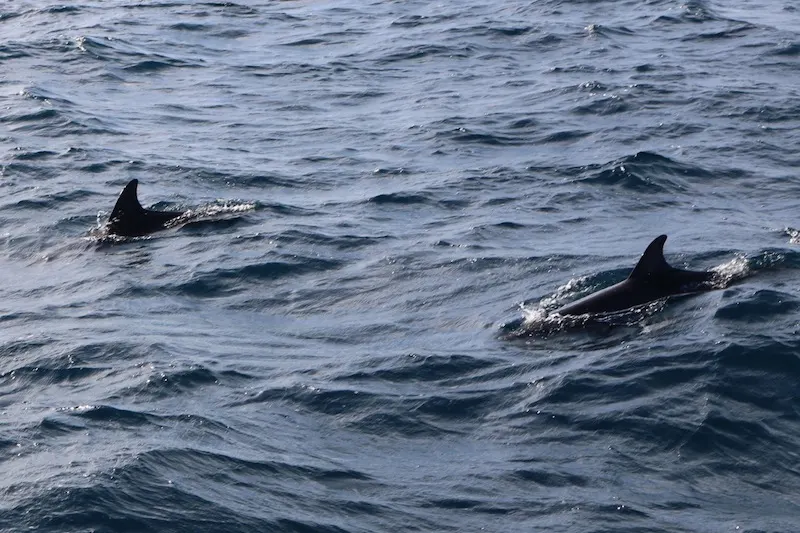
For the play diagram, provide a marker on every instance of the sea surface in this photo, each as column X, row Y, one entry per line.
column 386, row 199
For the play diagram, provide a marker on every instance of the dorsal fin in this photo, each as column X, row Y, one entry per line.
column 127, row 203
column 130, row 219
column 652, row 260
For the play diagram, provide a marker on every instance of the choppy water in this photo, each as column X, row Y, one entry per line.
column 391, row 182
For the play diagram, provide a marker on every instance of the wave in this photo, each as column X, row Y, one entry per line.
column 158, row 494
column 646, row 172
column 228, row 281
column 46, row 113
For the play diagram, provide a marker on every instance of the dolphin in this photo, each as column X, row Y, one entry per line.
column 651, row 279
column 130, row 219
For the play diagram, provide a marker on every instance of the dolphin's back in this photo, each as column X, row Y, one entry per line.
column 623, row 295
column 651, row 279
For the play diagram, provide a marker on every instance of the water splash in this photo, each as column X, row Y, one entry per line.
column 794, row 235
column 737, row 268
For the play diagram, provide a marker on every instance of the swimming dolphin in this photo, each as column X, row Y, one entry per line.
column 651, row 279
column 130, row 219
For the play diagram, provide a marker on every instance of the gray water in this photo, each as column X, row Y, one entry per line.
column 379, row 190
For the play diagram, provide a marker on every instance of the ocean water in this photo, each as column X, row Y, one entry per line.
column 379, row 190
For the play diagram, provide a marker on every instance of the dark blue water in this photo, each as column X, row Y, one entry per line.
column 379, row 187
